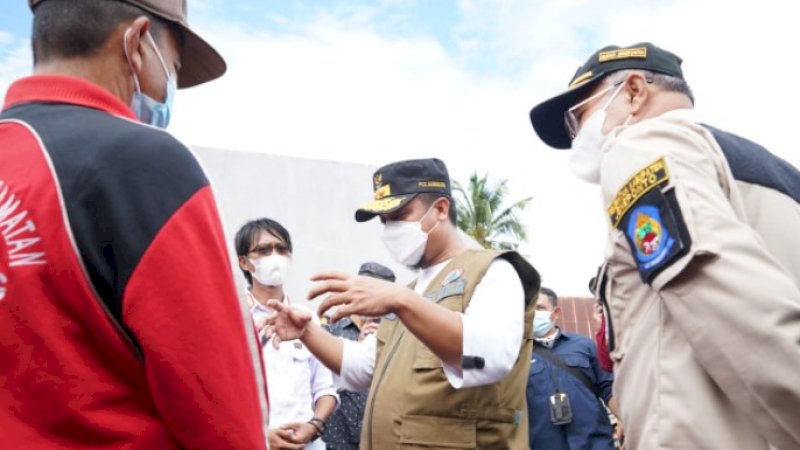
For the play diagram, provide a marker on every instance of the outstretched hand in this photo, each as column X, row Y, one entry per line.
column 356, row 294
column 285, row 323
column 370, row 327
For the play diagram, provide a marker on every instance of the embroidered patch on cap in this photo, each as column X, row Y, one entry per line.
column 622, row 53
column 383, row 191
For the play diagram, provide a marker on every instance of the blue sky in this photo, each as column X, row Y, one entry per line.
column 16, row 18
column 451, row 23
column 376, row 81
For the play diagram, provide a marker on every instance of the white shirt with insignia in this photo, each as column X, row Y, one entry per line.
column 295, row 378
column 493, row 327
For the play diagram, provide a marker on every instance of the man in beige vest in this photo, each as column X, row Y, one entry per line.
column 449, row 363
column 702, row 264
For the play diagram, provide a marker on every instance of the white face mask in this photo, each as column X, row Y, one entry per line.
column 587, row 147
column 542, row 324
column 271, row 270
column 405, row 240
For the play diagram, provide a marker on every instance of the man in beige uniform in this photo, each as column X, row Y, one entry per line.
column 702, row 264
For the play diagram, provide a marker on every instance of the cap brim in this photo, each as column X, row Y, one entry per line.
column 199, row 61
column 548, row 117
column 385, row 205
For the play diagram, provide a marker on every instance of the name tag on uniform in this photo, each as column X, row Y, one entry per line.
column 454, row 288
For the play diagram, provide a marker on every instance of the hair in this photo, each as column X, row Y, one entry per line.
column 429, row 198
column 550, row 295
column 79, row 29
column 665, row 82
column 379, row 271
column 248, row 233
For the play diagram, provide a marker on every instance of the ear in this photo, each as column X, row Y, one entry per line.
column 636, row 91
column 556, row 314
column 442, row 208
column 244, row 264
column 134, row 37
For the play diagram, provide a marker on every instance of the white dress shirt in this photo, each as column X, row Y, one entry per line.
column 493, row 325
column 295, row 378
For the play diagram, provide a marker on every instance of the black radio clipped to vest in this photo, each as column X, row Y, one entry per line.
column 560, row 409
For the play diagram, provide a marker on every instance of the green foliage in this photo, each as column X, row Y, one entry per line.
column 482, row 215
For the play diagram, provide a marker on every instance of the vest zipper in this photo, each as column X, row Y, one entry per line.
column 378, row 384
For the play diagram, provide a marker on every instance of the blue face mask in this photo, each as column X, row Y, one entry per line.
column 146, row 108
column 542, row 324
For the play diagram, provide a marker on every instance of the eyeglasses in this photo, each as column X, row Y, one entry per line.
column 571, row 120
column 268, row 249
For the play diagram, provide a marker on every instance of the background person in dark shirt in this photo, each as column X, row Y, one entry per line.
column 343, row 431
column 566, row 363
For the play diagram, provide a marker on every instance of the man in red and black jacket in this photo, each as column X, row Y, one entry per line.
column 119, row 322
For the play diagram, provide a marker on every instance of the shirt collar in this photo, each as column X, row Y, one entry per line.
column 550, row 342
column 682, row 113
column 427, row 274
column 65, row 89
column 255, row 305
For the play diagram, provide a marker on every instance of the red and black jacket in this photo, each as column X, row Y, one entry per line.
column 119, row 322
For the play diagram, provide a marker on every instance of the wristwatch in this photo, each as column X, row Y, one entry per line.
column 319, row 424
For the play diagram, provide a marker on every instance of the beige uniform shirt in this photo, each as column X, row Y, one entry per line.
column 708, row 344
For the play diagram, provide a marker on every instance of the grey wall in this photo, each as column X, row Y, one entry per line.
column 315, row 200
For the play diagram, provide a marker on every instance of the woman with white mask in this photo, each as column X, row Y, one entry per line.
column 301, row 391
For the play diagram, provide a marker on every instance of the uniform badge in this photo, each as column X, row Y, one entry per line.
column 650, row 217
column 298, row 345
column 646, row 230
column 452, row 276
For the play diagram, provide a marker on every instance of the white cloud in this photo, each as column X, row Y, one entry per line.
column 338, row 89
column 5, row 37
column 15, row 59
column 333, row 92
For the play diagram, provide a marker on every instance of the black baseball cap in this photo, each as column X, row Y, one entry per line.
column 398, row 183
column 548, row 117
column 375, row 270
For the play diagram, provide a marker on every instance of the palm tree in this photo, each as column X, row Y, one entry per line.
column 481, row 214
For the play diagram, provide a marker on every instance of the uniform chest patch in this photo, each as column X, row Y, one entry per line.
column 452, row 276
column 649, row 215
column 457, row 287
column 650, row 239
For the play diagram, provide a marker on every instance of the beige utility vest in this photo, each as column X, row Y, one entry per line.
column 412, row 405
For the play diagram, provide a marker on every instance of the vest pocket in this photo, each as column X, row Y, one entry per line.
column 425, row 359
column 435, row 432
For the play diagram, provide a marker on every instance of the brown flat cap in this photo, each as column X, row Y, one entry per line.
column 199, row 61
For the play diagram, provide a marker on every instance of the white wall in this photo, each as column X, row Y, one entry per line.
column 315, row 200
